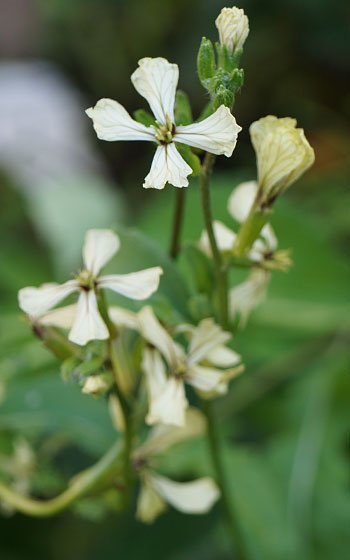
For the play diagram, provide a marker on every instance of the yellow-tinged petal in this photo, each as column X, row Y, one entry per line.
column 99, row 247
column 195, row 497
column 233, row 27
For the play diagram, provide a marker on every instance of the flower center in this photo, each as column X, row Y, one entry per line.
column 86, row 280
column 164, row 132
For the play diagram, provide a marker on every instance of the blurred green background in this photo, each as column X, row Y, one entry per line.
column 286, row 420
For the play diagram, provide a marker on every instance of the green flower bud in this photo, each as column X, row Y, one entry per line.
column 223, row 96
column 206, row 65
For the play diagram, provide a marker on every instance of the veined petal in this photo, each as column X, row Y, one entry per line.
column 170, row 405
column 167, row 167
column 204, row 378
column 88, row 324
column 136, row 285
column 189, row 497
column 112, row 122
column 162, row 437
column 224, row 236
column 241, row 200
column 99, row 247
column 206, row 336
column 244, row 297
column 149, row 503
column 155, row 334
column 61, row 317
column 222, row 356
column 36, row 301
column 156, row 80
column 216, row 134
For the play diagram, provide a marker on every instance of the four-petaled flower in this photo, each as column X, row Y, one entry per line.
column 100, row 246
column 202, row 366
column 156, row 80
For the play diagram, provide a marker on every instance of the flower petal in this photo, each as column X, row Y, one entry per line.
column 216, row 134
column 204, row 378
column 156, row 80
column 149, row 503
column 36, row 301
column 241, row 200
column 189, row 497
column 221, row 356
column 152, row 331
column 62, row 317
column 162, row 437
column 170, row 405
column 269, row 236
column 156, row 379
column 224, row 236
column 136, row 285
column 206, row 336
column 123, row 317
column 99, row 247
column 167, row 167
column 88, row 324
column 112, row 122
column 244, row 297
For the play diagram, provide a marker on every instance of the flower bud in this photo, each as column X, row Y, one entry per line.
column 223, row 96
column 283, row 154
column 206, row 66
column 233, row 27
column 98, row 384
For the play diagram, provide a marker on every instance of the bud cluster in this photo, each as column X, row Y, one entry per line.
column 221, row 76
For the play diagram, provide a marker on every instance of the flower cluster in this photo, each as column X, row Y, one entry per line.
column 146, row 360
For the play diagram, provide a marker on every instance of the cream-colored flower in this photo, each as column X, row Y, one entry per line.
column 245, row 297
column 239, row 205
column 283, row 154
column 156, row 80
column 99, row 248
column 201, row 366
column 195, row 497
column 233, row 27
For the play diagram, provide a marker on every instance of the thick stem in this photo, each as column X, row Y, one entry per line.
column 213, row 439
column 221, row 269
column 86, row 481
column 177, row 223
column 250, row 229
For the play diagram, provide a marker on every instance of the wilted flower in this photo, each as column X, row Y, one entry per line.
column 233, row 27
column 202, row 366
column 196, row 497
column 156, row 80
column 283, row 154
column 99, row 248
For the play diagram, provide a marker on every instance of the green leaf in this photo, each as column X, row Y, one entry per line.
column 144, row 117
column 183, row 112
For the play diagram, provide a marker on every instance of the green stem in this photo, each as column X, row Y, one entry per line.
column 250, row 229
column 86, row 481
column 177, row 223
column 221, row 269
column 233, row 529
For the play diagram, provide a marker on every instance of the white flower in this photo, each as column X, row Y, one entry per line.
column 156, row 80
column 199, row 367
column 233, row 27
column 99, row 248
column 195, row 497
column 239, row 205
column 283, row 154
column 248, row 295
